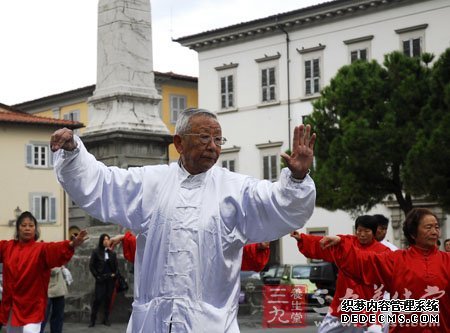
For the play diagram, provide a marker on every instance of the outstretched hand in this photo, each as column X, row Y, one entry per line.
column 296, row 235
column 62, row 139
column 302, row 154
column 114, row 241
column 328, row 241
column 81, row 237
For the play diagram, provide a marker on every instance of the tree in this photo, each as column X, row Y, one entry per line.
column 428, row 172
column 367, row 121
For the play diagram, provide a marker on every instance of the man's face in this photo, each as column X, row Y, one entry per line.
column 428, row 232
column 447, row 246
column 364, row 235
column 198, row 157
column 381, row 232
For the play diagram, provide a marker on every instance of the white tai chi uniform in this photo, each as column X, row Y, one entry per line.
column 191, row 230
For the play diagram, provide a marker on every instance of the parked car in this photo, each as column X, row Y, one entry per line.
column 319, row 279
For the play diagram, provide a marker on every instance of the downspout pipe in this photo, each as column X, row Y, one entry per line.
column 288, row 60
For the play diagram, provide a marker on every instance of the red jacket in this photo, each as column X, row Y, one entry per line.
column 346, row 287
column 253, row 259
column 26, row 274
column 412, row 273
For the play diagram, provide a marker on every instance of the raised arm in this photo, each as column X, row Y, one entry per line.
column 109, row 194
column 302, row 154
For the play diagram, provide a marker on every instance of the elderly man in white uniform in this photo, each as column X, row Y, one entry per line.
column 196, row 217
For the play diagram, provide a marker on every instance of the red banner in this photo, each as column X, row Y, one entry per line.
column 284, row 306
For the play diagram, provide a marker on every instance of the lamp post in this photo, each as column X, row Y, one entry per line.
column 17, row 213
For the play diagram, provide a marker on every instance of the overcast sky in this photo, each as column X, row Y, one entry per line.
column 50, row 46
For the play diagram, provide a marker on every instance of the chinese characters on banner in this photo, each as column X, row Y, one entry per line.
column 284, row 306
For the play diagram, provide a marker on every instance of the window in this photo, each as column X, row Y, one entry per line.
column 268, row 69
column 312, row 63
column 227, row 85
column 360, row 54
column 44, row 207
column 177, row 105
column 226, row 91
column 229, row 158
column 412, row 40
column 229, row 164
column 268, row 84
column 359, row 48
column 411, row 47
column 55, row 112
column 72, row 115
column 270, row 167
column 312, row 76
column 270, row 156
column 39, row 155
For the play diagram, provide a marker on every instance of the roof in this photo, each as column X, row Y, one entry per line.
column 302, row 18
column 10, row 115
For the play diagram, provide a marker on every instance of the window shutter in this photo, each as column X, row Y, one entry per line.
column 29, row 154
column 231, row 163
column 273, row 167
column 264, row 78
column 52, row 209
column 316, row 68
column 308, row 69
column 50, row 157
column 37, row 208
column 363, row 54
column 222, row 85
column 76, row 115
column 416, row 47
column 271, row 75
column 266, row 167
column 406, row 48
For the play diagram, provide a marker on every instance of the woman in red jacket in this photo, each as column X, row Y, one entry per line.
column 420, row 273
column 26, row 274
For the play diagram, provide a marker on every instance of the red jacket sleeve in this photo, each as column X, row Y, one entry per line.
column 365, row 267
column 57, row 253
column 309, row 246
column 129, row 246
column 254, row 259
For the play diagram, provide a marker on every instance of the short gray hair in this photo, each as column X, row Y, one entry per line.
column 182, row 126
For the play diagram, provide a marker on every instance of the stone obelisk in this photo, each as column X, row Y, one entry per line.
column 125, row 128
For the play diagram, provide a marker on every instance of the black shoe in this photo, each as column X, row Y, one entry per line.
column 91, row 324
column 106, row 322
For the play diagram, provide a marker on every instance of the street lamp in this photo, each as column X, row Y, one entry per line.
column 17, row 213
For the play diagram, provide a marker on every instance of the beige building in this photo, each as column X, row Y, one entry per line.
column 27, row 178
column 178, row 92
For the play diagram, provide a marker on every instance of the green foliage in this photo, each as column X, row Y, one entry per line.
column 367, row 121
column 427, row 169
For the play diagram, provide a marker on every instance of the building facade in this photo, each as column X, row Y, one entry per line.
column 261, row 76
column 178, row 92
column 27, row 177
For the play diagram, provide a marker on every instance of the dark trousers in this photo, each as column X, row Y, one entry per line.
column 103, row 293
column 55, row 311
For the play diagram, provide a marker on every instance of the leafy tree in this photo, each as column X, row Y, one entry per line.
column 428, row 170
column 366, row 121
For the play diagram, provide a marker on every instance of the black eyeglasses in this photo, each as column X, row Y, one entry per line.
column 206, row 138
